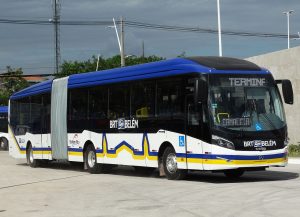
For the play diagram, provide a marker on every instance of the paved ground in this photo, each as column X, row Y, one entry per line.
column 63, row 190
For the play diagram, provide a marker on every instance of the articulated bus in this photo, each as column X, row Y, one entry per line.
column 3, row 128
column 216, row 114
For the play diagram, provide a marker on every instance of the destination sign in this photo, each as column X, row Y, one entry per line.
column 247, row 82
column 236, row 122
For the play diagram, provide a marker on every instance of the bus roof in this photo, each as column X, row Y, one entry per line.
column 3, row 109
column 150, row 70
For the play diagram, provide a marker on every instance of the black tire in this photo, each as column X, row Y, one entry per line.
column 30, row 159
column 234, row 173
column 170, row 165
column 90, row 160
column 147, row 171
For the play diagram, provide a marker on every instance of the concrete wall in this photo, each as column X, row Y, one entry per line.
column 285, row 64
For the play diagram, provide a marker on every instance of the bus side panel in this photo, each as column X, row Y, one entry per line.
column 194, row 153
column 124, row 149
column 176, row 139
column 97, row 140
column 46, row 144
column 36, row 143
column 76, row 143
column 153, row 142
column 17, row 146
column 14, row 149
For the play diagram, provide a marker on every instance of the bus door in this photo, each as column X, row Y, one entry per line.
column 193, row 134
column 197, row 122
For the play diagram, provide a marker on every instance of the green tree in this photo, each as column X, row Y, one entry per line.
column 76, row 67
column 10, row 84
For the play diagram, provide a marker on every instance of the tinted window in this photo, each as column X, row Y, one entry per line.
column 46, row 113
column 119, row 101
column 169, row 97
column 77, row 110
column 3, row 122
column 98, row 104
column 23, row 118
column 35, row 114
column 143, row 99
column 78, row 100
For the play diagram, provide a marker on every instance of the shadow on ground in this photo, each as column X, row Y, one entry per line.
column 209, row 177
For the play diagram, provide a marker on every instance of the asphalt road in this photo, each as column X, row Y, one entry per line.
column 63, row 190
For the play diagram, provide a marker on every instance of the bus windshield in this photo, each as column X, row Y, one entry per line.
column 245, row 103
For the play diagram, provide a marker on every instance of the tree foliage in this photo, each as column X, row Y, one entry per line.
column 9, row 85
column 75, row 67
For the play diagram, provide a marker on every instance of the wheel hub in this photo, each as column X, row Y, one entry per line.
column 31, row 156
column 91, row 159
column 171, row 163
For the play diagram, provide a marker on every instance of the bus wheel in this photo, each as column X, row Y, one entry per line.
column 3, row 144
column 90, row 160
column 170, row 165
column 30, row 159
column 234, row 173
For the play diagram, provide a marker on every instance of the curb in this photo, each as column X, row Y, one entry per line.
column 294, row 161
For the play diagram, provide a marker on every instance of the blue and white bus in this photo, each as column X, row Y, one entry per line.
column 199, row 113
column 3, row 128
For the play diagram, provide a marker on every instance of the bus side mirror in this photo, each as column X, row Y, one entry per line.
column 287, row 91
column 201, row 91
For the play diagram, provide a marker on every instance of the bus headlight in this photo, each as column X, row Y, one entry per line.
column 219, row 141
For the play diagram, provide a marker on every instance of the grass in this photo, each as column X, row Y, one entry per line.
column 294, row 150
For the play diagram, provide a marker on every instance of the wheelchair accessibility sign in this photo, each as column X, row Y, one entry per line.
column 181, row 141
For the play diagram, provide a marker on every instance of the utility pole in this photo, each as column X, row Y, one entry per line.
column 56, row 21
column 288, row 13
column 122, row 44
column 219, row 29
column 143, row 49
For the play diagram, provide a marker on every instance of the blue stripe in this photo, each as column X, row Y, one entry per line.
column 3, row 109
column 41, row 149
column 75, row 149
column 231, row 157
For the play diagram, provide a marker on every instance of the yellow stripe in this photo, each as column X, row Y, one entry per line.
column 146, row 150
column 195, row 160
column 126, row 148
column 74, row 153
column 47, row 152
column 240, row 162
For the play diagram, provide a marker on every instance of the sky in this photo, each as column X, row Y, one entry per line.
column 31, row 47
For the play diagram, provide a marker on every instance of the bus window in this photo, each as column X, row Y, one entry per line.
column 98, row 103
column 78, row 110
column 119, row 101
column 143, row 99
column 46, row 113
column 3, row 122
column 169, row 97
column 35, row 114
column 14, row 114
column 22, row 125
column 78, row 104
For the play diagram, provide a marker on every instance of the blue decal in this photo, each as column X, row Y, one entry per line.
column 258, row 127
column 121, row 123
column 181, row 141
